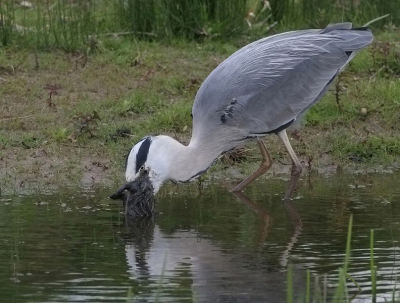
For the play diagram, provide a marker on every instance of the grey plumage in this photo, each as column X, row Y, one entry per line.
column 260, row 89
column 268, row 83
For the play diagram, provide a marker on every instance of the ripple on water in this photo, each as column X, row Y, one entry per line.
column 75, row 246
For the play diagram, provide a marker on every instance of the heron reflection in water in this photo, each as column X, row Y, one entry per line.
column 190, row 261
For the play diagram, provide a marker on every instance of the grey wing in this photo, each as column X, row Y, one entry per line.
column 267, row 84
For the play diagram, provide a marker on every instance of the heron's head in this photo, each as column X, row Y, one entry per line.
column 145, row 158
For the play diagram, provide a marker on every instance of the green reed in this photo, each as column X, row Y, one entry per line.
column 373, row 268
column 71, row 25
column 318, row 13
column 59, row 23
column 340, row 293
column 163, row 19
column 289, row 285
column 308, row 277
column 7, row 17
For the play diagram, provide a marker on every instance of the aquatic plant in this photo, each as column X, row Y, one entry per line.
column 340, row 292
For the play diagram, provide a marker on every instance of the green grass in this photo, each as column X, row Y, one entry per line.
column 67, row 60
column 77, row 25
column 81, row 25
column 374, row 269
column 296, row 14
column 140, row 87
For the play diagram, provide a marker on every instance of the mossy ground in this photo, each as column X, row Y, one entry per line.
column 71, row 118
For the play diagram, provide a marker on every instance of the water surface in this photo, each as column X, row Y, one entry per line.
column 205, row 246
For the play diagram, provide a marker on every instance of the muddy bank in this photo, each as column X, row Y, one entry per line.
column 65, row 124
column 45, row 170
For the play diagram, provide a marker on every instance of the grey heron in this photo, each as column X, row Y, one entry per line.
column 259, row 90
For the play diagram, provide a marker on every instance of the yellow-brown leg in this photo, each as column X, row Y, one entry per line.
column 264, row 166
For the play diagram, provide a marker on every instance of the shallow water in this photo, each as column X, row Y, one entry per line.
column 205, row 246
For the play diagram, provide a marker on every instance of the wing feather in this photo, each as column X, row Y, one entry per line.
column 268, row 83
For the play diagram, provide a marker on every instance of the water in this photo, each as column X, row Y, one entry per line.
column 208, row 246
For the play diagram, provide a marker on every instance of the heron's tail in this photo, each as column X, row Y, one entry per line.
column 351, row 39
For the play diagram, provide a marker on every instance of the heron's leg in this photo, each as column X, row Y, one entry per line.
column 264, row 166
column 297, row 167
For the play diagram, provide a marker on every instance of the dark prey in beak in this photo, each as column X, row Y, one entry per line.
column 138, row 197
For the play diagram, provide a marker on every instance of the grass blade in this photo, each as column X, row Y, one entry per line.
column 289, row 285
column 308, row 286
column 341, row 289
column 373, row 269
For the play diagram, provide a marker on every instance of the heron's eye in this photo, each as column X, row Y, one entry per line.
column 143, row 171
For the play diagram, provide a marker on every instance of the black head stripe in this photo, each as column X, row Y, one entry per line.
column 142, row 153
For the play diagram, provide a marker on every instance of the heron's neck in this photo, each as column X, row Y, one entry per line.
column 183, row 163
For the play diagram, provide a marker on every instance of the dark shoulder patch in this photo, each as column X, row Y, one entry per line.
column 228, row 111
column 142, row 153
